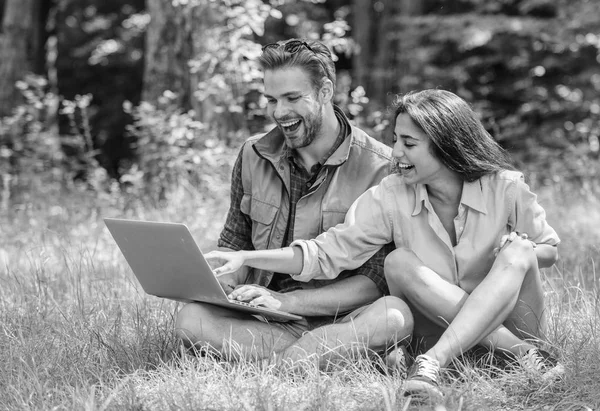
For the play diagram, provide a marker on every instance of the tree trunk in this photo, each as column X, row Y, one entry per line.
column 412, row 7
column 2, row 9
column 39, row 36
column 383, row 70
column 168, row 49
column 176, row 35
column 16, row 50
column 170, row 46
column 362, row 24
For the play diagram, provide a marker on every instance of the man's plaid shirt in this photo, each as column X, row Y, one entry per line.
column 237, row 232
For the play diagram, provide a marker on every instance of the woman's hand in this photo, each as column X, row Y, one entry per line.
column 510, row 238
column 225, row 262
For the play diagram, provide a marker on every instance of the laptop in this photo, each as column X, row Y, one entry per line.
column 169, row 264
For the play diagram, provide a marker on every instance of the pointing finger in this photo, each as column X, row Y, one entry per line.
column 211, row 255
column 224, row 269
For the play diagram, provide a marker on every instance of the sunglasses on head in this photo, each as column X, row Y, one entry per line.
column 292, row 46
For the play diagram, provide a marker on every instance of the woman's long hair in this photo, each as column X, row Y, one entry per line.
column 459, row 139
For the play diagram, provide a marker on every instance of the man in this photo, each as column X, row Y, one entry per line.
column 295, row 182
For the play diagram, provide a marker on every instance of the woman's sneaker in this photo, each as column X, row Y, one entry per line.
column 542, row 363
column 423, row 378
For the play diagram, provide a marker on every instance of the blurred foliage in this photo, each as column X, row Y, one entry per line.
column 531, row 68
column 32, row 151
column 174, row 147
column 174, row 150
column 99, row 50
column 227, row 70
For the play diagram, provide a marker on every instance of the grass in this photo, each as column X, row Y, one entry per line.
column 78, row 333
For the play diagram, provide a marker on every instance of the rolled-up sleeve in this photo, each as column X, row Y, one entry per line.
column 347, row 246
column 530, row 217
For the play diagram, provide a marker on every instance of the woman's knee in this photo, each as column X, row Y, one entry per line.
column 399, row 264
column 520, row 255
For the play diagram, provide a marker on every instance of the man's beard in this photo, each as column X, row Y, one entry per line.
column 312, row 124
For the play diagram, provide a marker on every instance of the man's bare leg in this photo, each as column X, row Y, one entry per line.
column 233, row 334
column 374, row 329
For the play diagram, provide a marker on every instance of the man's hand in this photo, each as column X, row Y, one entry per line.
column 258, row 295
column 225, row 262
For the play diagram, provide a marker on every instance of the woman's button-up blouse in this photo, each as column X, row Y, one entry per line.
column 490, row 207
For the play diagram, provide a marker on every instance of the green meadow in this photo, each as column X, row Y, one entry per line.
column 78, row 333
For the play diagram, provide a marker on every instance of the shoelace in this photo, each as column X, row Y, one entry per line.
column 538, row 360
column 535, row 359
column 427, row 368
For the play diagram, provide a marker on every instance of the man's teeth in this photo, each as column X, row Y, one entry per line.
column 405, row 166
column 288, row 124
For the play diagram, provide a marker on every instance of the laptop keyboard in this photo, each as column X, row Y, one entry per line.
column 261, row 307
column 243, row 303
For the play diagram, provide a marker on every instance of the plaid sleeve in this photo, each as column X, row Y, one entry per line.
column 237, row 232
column 373, row 268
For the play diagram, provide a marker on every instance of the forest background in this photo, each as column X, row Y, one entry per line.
column 136, row 108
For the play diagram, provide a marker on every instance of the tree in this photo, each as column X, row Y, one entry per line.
column 203, row 52
column 98, row 50
column 169, row 48
column 362, row 31
column 530, row 68
column 373, row 31
column 22, row 42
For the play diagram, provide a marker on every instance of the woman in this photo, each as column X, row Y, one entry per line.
column 469, row 234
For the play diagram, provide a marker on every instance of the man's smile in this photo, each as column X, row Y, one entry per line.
column 290, row 125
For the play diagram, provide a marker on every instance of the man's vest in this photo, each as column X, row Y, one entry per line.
column 359, row 163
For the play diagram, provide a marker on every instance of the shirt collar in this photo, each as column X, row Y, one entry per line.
column 343, row 133
column 472, row 197
column 420, row 197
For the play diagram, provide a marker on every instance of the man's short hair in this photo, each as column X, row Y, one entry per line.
column 310, row 55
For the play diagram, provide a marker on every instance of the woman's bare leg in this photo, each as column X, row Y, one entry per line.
column 490, row 304
column 441, row 302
